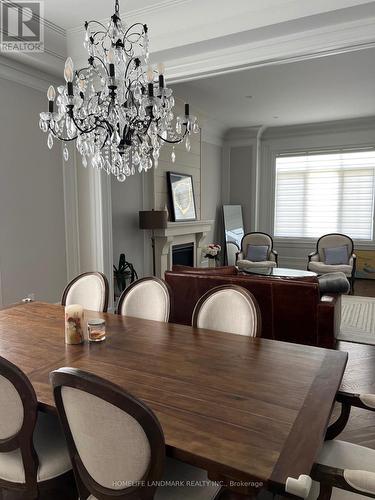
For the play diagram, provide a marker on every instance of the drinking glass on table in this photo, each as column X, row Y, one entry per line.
column 96, row 329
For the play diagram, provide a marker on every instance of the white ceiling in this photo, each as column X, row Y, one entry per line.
column 200, row 38
column 208, row 13
column 327, row 88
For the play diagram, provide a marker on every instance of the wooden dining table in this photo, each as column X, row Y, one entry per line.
column 245, row 409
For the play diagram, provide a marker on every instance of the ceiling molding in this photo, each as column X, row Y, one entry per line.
column 322, row 128
column 330, row 40
column 25, row 75
column 243, row 133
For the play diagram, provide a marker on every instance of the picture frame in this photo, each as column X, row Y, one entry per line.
column 181, row 197
column 365, row 266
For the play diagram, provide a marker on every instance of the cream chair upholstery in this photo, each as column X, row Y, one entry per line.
column 146, row 298
column 90, row 290
column 358, row 464
column 232, row 251
column 116, row 442
column 316, row 260
column 257, row 239
column 345, row 471
column 33, row 452
column 228, row 308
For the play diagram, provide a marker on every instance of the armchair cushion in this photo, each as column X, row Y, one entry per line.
column 336, row 255
column 322, row 268
column 257, row 253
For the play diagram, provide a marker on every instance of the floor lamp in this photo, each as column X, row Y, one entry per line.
column 151, row 220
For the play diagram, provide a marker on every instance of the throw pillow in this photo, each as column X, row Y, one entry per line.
column 257, row 253
column 336, row 255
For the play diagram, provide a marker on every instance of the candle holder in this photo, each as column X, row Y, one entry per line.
column 74, row 332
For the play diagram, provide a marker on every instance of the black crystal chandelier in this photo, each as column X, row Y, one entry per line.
column 118, row 109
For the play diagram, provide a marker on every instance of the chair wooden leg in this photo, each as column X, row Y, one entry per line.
column 325, row 492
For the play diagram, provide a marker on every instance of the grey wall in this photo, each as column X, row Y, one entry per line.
column 127, row 201
column 32, row 227
column 241, row 189
column 211, row 202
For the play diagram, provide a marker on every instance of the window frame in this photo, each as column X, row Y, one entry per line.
column 303, row 241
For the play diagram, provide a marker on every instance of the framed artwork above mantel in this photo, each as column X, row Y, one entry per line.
column 181, row 197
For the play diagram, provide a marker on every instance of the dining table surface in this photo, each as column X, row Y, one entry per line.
column 244, row 409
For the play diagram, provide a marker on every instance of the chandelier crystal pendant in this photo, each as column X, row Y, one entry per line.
column 118, row 109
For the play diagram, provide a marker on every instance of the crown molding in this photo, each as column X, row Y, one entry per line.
column 321, row 128
column 18, row 72
column 304, row 45
column 243, row 133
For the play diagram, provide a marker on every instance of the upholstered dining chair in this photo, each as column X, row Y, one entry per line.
column 34, row 459
column 344, row 470
column 257, row 251
column 90, row 290
column 116, row 443
column 232, row 250
column 146, row 298
column 334, row 253
column 228, row 308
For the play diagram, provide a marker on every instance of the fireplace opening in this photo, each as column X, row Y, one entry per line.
column 183, row 254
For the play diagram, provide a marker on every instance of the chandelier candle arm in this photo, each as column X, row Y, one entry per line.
column 118, row 109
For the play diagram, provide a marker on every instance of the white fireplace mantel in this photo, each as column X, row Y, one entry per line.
column 177, row 233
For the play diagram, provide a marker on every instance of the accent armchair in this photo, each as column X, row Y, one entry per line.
column 334, row 253
column 257, row 251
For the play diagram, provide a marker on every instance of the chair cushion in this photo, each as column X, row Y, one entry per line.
column 336, row 255
column 248, row 263
column 344, row 455
column 257, row 253
column 322, row 268
column 185, row 473
column 50, row 446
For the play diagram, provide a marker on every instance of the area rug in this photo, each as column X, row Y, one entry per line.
column 358, row 319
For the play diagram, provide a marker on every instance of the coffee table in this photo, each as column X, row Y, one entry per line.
column 278, row 271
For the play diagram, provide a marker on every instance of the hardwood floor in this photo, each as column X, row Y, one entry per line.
column 360, row 377
column 364, row 288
